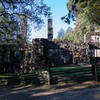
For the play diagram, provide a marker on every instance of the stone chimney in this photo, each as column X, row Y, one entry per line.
column 50, row 29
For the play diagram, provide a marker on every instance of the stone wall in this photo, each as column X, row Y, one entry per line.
column 58, row 53
column 41, row 54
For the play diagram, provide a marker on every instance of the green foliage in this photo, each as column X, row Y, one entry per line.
column 34, row 10
column 91, row 9
column 69, row 34
column 87, row 14
column 11, row 12
column 1, row 10
column 73, row 36
column 8, row 29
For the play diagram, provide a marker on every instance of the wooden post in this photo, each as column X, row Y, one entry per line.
column 96, row 78
column 94, row 72
column 47, row 63
column 48, row 76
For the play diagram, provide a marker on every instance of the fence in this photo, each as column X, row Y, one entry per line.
column 75, row 74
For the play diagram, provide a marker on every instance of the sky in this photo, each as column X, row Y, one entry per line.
column 58, row 9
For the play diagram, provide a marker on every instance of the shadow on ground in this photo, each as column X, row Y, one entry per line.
column 77, row 92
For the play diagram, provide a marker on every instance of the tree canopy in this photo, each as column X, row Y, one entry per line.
column 91, row 8
column 86, row 13
column 12, row 11
column 33, row 9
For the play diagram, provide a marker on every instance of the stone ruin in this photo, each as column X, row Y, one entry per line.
column 77, row 52
column 57, row 53
column 41, row 53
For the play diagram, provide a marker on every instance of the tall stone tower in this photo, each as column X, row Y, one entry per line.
column 50, row 29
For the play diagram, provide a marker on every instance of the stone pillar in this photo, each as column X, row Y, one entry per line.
column 50, row 29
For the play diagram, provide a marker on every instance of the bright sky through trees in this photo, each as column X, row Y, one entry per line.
column 58, row 8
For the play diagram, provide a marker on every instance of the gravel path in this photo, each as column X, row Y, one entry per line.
column 80, row 92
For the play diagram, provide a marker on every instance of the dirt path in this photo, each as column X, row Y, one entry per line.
column 77, row 92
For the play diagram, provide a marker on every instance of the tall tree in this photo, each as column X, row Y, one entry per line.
column 91, row 8
column 69, row 30
column 86, row 14
column 61, row 34
column 12, row 11
column 33, row 9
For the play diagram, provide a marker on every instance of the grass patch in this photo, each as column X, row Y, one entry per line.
column 70, row 68
column 71, row 72
column 7, row 75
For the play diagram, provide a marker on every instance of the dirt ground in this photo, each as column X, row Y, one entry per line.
column 85, row 91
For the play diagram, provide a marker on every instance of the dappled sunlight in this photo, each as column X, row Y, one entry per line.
column 79, row 87
column 88, row 90
column 22, row 87
column 79, row 93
